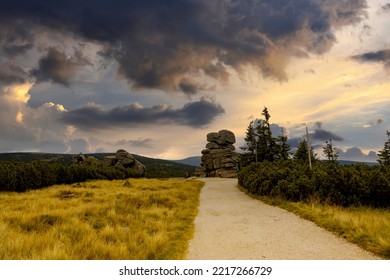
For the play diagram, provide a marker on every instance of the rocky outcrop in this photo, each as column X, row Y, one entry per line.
column 219, row 159
column 121, row 158
column 125, row 159
column 78, row 159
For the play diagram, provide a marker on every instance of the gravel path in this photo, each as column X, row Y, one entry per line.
column 231, row 225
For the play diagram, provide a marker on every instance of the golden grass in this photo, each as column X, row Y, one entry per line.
column 125, row 219
column 366, row 227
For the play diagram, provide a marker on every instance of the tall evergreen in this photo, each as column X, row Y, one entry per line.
column 384, row 155
column 250, row 140
column 283, row 147
column 266, row 143
column 302, row 152
column 261, row 144
column 330, row 151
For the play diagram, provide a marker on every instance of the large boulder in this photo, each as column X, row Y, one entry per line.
column 125, row 159
column 219, row 159
column 212, row 137
column 226, row 137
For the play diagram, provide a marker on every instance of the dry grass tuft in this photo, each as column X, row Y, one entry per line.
column 132, row 219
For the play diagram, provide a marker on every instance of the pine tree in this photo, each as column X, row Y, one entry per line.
column 264, row 138
column 384, row 155
column 261, row 144
column 330, row 152
column 250, row 140
column 302, row 154
column 283, row 147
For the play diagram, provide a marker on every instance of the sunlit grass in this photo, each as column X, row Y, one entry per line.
column 367, row 227
column 123, row 219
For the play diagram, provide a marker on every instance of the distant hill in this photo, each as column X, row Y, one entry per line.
column 350, row 162
column 155, row 168
column 194, row 161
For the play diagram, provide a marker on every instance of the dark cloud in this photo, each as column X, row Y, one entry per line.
column 160, row 44
column 17, row 49
column 188, row 87
column 323, row 135
column 12, row 74
column 57, row 67
column 15, row 38
column 194, row 114
column 382, row 56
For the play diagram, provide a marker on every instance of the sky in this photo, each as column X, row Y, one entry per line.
column 154, row 77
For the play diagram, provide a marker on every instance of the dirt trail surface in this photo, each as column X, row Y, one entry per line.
column 231, row 225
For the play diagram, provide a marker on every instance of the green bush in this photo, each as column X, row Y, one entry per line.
column 328, row 182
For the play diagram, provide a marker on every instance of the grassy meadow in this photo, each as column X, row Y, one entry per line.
column 369, row 228
column 137, row 219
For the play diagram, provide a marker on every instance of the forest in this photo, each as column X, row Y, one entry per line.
column 272, row 170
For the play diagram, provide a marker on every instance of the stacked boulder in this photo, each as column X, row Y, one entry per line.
column 78, row 159
column 219, row 159
column 125, row 159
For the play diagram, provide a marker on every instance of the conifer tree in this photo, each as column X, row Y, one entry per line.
column 283, row 147
column 384, row 155
column 250, row 140
column 266, row 143
column 330, row 152
column 260, row 142
column 302, row 152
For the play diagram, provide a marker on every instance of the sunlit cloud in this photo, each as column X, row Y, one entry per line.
column 19, row 93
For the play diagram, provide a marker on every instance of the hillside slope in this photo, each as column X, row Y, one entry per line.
column 155, row 168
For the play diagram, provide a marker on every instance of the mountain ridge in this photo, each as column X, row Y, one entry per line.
column 154, row 167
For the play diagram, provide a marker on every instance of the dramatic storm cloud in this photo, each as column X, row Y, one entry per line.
column 12, row 74
column 156, row 76
column 160, row 44
column 56, row 67
column 194, row 114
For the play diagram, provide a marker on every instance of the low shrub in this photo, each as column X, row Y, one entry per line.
column 330, row 183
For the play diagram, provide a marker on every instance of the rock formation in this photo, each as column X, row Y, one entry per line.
column 125, row 159
column 78, row 159
column 219, row 159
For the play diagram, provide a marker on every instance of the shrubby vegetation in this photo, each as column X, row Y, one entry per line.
column 327, row 182
column 24, row 172
column 22, row 176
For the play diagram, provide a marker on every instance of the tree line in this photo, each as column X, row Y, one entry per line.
column 20, row 176
column 272, row 170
